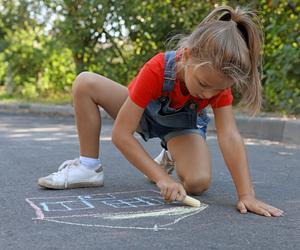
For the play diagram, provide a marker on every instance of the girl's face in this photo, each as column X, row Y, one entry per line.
column 204, row 82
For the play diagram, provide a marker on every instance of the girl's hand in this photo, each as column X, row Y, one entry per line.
column 171, row 190
column 251, row 204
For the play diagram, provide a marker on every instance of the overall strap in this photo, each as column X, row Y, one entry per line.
column 170, row 73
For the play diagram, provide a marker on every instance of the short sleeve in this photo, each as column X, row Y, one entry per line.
column 147, row 85
column 223, row 99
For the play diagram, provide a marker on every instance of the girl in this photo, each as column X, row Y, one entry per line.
column 167, row 99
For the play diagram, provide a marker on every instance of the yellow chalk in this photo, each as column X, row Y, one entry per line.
column 191, row 201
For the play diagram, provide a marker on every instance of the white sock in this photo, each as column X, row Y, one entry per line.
column 90, row 163
column 160, row 156
column 169, row 155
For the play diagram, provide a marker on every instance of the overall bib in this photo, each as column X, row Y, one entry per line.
column 162, row 121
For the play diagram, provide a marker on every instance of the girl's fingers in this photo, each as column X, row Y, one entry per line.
column 174, row 195
column 261, row 211
column 257, row 208
column 168, row 194
column 241, row 206
column 273, row 210
column 172, row 192
column 261, row 208
column 181, row 194
column 276, row 213
column 163, row 192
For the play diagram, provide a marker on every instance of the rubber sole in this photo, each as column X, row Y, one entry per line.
column 71, row 186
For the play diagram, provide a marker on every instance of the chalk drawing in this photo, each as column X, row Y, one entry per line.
column 142, row 209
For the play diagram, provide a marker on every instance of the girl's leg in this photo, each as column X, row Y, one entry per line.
column 91, row 90
column 192, row 162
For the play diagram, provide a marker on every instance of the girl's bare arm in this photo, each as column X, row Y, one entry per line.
column 233, row 150
column 125, row 125
column 234, row 153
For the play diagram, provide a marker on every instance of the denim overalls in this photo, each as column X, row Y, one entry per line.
column 160, row 120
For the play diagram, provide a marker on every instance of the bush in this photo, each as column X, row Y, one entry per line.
column 281, row 81
column 116, row 40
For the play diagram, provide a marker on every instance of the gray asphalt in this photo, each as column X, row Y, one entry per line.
column 127, row 213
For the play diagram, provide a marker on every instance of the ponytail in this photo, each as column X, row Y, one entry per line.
column 249, row 27
column 234, row 39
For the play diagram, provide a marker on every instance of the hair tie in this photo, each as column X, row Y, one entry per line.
column 243, row 32
column 226, row 17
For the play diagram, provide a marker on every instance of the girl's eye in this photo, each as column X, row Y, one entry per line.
column 202, row 85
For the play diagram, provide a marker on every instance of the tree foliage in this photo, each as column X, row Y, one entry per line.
column 44, row 43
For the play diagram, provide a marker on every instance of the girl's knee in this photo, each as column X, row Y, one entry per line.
column 83, row 83
column 196, row 185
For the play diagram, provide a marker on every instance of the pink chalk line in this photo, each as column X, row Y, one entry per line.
column 39, row 213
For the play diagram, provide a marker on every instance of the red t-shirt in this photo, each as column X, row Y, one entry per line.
column 148, row 85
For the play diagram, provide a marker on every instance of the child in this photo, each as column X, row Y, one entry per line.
column 167, row 100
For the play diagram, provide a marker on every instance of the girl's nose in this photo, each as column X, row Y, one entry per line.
column 208, row 94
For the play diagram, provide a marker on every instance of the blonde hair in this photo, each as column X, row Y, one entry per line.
column 230, row 41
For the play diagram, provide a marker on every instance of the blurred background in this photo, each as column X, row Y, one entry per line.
column 44, row 44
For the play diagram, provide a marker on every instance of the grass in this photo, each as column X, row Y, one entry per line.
column 61, row 99
column 54, row 99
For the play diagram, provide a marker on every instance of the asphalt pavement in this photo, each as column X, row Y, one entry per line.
column 264, row 126
column 128, row 213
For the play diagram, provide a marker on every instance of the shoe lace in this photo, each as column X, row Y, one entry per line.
column 65, row 167
column 168, row 163
column 69, row 163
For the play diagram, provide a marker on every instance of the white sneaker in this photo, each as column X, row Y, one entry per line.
column 72, row 174
column 165, row 161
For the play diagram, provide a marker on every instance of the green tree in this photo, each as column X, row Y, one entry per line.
column 17, row 27
column 152, row 23
column 44, row 43
column 281, row 80
column 281, row 71
column 80, row 26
